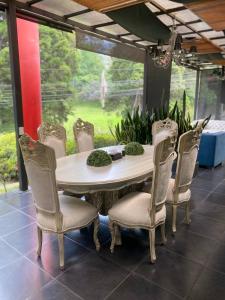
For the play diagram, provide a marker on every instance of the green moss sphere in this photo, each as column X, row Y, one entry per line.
column 99, row 158
column 134, row 148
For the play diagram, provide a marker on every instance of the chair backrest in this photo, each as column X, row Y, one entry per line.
column 53, row 135
column 187, row 154
column 84, row 135
column 40, row 164
column 163, row 128
column 164, row 156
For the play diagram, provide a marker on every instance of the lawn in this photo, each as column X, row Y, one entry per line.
column 93, row 113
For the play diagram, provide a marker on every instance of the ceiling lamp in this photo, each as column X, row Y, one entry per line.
column 162, row 57
column 219, row 73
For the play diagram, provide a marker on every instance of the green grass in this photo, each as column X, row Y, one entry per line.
column 93, row 113
column 10, row 186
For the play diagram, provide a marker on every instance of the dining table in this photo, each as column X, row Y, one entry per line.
column 101, row 185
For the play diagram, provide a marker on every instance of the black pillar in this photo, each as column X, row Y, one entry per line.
column 156, row 84
column 16, row 87
column 197, row 91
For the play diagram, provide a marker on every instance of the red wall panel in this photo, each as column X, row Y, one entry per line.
column 29, row 54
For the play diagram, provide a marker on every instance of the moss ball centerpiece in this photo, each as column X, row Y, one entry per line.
column 134, row 148
column 99, row 158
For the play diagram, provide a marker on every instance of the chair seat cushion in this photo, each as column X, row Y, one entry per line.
column 182, row 197
column 76, row 213
column 133, row 210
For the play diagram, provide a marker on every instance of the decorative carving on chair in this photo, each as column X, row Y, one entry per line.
column 80, row 127
column 55, row 212
column 130, row 210
column 179, row 189
column 37, row 152
column 48, row 129
column 165, row 125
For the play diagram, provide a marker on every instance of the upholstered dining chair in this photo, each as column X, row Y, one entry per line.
column 162, row 128
column 53, row 135
column 179, row 188
column 84, row 135
column 145, row 210
column 55, row 212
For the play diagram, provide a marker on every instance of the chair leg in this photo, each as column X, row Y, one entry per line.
column 187, row 212
column 174, row 218
column 61, row 250
column 96, row 240
column 113, row 235
column 39, row 234
column 118, row 241
column 163, row 233
column 152, row 245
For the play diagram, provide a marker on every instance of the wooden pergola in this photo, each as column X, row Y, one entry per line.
column 201, row 24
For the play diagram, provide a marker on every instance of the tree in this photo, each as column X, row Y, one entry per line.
column 58, row 68
column 125, row 81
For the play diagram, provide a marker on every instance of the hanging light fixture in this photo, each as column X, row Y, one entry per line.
column 219, row 73
column 163, row 56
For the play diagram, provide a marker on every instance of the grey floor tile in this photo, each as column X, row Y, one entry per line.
column 210, row 286
column 192, row 245
column 20, row 199
column 137, row 288
column 5, row 208
column 54, row 291
column 204, row 226
column 217, row 259
column 171, row 271
column 21, row 279
column 85, row 236
column 211, row 210
column 93, row 277
column 29, row 210
column 218, row 198
column 8, row 255
column 13, row 221
column 134, row 249
column 25, row 239
column 49, row 259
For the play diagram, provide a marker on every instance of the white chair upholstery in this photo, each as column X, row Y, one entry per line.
column 144, row 210
column 182, row 197
column 179, row 188
column 54, row 136
column 55, row 212
column 133, row 210
column 84, row 135
column 163, row 128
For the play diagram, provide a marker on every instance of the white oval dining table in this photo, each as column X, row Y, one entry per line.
column 74, row 175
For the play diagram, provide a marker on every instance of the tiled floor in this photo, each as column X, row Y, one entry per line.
column 190, row 266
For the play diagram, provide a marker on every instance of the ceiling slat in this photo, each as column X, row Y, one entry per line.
column 212, row 12
column 107, row 5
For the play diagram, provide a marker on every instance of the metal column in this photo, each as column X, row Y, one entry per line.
column 16, row 86
column 197, row 93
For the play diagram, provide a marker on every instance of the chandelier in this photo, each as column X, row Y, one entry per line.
column 162, row 57
column 219, row 73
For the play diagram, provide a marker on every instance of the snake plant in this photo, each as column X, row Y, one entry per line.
column 138, row 126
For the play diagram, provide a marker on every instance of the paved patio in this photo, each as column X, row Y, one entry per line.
column 190, row 266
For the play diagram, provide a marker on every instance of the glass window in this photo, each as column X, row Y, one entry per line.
column 8, row 157
column 83, row 84
column 183, row 79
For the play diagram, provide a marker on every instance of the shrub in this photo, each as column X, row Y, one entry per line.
column 101, row 140
column 134, row 148
column 99, row 158
column 8, row 158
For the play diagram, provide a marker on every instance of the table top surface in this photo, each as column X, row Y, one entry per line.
column 73, row 170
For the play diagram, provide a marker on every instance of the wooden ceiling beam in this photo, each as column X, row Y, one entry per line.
column 212, row 12
column 107, row 5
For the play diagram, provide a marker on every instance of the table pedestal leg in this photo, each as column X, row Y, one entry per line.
column 118, row 235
